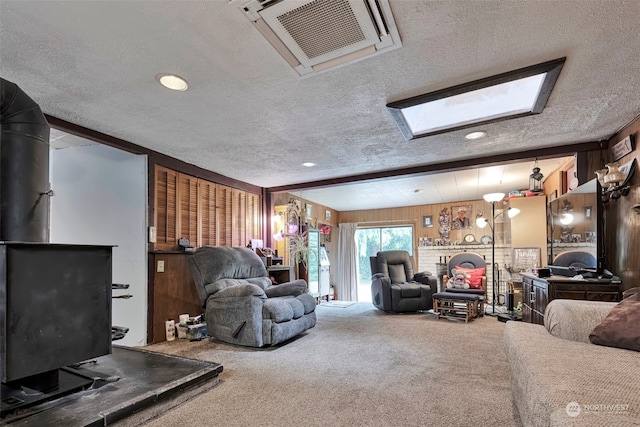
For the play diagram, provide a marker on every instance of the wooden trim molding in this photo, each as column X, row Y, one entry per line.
column 154, row 156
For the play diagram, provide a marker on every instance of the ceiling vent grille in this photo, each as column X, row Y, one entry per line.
column 318, row 35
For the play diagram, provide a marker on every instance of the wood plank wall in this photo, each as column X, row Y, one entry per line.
column 622, row 223
column 318, row 218
column 413, row 215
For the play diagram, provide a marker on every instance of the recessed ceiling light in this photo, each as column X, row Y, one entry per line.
column 308, row 164
column 173, row 82
column 476, row 135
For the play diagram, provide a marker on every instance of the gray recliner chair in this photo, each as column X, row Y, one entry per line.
column 241, row 304
column 395, row 287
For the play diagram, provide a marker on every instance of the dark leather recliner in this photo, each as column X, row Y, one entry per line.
column 395, row 287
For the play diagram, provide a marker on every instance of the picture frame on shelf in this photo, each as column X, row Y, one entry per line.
column 425, row 241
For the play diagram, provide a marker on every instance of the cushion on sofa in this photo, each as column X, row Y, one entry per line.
column 548, row 372
column 620, row 327
column 277, row 310
column 293, row 288
column 575, row 319
column 244, row 287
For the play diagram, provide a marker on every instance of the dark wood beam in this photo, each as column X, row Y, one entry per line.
column 542, row 153
column 155, row 158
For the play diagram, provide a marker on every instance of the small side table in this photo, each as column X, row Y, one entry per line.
column 281, row 273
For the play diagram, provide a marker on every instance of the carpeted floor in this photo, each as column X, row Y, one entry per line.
column 338, row 304
column 357, row 367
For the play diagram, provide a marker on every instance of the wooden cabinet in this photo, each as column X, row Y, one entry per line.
column 172, row 292
column 538, row 292
column 535, row 297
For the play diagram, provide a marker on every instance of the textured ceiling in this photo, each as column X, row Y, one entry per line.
column 247, row 115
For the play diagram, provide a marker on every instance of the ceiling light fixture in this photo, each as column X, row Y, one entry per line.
column 418, row 190
column 476, row 135
column 308, row 164
column 504, row 96
column 535, row 179
column 173, row 82
column 566, row 218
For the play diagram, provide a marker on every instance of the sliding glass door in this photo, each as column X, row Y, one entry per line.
column 371, row 240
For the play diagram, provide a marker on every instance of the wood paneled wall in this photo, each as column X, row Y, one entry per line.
column 622, row 231
column 318, row 218
column 413, row 215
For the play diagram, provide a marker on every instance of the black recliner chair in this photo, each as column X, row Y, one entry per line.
column 395, row 287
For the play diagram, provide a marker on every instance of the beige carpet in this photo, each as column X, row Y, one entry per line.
column 337, row 304
column 357, row 367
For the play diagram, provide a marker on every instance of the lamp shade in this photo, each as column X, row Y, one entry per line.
column 481, row 222
column 493, row 197
column 511, row 212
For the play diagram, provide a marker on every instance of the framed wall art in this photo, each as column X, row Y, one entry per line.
column 461, row 215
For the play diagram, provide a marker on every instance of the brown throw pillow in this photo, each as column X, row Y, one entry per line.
column 621, row 327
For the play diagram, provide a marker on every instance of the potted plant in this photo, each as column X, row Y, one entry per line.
column 299, row 250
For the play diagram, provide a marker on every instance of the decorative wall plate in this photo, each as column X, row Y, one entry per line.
column 485, row 240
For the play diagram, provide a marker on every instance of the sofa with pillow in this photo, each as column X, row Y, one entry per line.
column 559, row 377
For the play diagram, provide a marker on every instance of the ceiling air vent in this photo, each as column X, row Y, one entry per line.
column 317, row 35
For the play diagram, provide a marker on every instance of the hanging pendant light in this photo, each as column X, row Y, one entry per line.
column 535, row 179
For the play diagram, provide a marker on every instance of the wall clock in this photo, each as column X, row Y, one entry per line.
column 469, row 239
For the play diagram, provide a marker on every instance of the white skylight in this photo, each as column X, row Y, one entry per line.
column 493, row 102
column 514, row 94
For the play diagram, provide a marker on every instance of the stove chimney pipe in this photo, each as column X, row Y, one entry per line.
column 24, row 167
